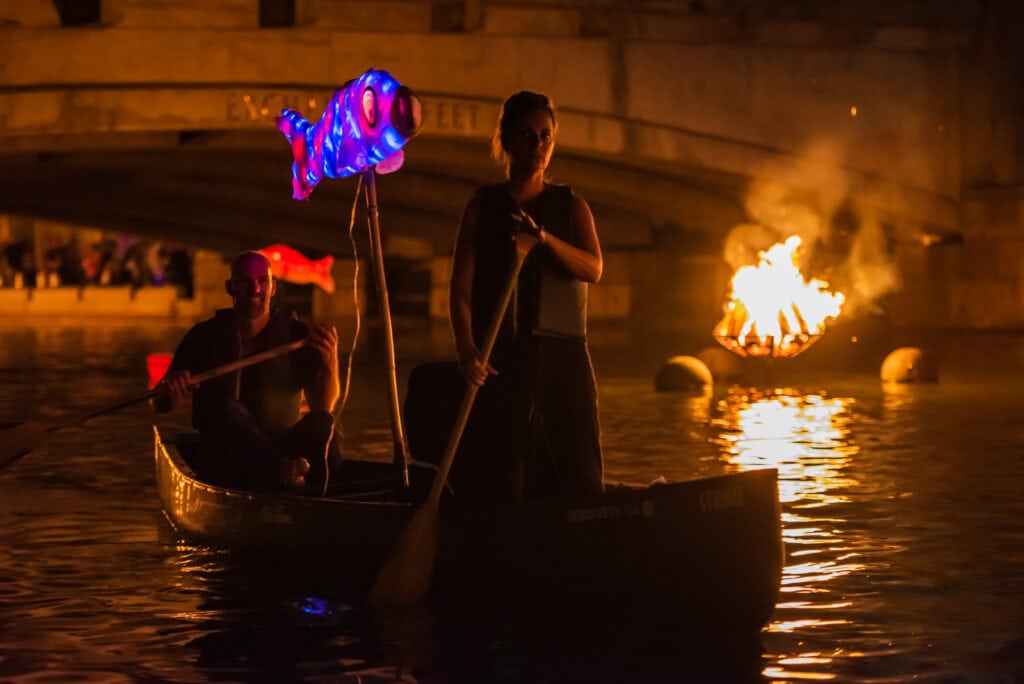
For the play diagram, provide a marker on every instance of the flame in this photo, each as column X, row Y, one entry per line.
column 773, row 310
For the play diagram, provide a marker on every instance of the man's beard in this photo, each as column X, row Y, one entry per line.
column 253, row 308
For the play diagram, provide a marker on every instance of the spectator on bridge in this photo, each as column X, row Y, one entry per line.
column 133, row 271
column 92, row 263
column 179, row 271
column 156, row 263
column 535, row 431
column 9, row 262
column 70, row 269
column 22, row 261
column 58, row 263
column 253, row 432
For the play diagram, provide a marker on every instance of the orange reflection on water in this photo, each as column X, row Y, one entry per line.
column 806, row 436
column 779, row 673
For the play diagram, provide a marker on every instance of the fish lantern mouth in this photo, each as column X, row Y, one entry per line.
column 406, row 112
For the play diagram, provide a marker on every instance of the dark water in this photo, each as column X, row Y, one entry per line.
column 903, row 516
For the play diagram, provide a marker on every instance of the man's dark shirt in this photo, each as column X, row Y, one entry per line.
column 272, row 390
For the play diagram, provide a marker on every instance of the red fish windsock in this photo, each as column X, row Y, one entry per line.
column 366, row 123
column 293, row 266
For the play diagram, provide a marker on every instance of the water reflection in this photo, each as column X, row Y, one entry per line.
column 901, row 512
column 807, row 437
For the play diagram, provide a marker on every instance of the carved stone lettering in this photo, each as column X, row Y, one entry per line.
column 450, row 116
column 267, row 104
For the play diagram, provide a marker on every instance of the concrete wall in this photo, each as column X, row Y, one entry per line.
column 94, row 302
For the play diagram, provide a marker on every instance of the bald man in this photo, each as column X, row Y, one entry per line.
column 254, row 434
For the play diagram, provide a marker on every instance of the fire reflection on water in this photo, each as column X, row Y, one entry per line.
column 807, row 437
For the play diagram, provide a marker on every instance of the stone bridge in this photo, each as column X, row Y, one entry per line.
column 888, row 135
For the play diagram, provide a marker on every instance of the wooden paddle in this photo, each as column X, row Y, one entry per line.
column 19, row 439
column 405, row 576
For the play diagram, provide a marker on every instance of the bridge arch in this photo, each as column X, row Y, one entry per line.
column 158, row 119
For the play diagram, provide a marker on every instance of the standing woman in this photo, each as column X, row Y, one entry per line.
column 534, row 431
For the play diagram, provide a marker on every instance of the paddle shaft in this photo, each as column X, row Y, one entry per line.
column 523, row 248
column 401, row 449
column 196, row 379
column 405, row 576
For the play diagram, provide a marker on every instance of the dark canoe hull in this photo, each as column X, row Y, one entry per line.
column 708, row 551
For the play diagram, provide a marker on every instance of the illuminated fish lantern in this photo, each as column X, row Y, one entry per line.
column 293, row 266
column 365, row 123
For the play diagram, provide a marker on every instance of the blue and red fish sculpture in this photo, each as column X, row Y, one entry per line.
column 365, row 124
column 291, row 265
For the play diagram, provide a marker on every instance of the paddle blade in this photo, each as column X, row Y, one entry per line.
column 405, row 577
column 18, row 440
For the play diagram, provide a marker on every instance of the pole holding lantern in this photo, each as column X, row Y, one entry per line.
column 363, row 129
column 401, row 450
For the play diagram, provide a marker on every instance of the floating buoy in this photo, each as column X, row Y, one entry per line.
column 909, row 364
column 723, row 364
column 683, row 374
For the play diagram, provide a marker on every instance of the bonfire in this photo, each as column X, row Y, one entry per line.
column 773, row 310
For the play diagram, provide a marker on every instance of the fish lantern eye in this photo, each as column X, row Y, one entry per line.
column 370, row 107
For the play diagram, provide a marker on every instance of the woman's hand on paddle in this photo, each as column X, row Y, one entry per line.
column 472, row 369
column 293, row 471
column 176, row 384
column 530, row 227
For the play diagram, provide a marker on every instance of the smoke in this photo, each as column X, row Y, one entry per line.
column 844, row 241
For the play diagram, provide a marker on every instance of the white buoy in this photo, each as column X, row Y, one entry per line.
column 683, row 374
column 909, row 364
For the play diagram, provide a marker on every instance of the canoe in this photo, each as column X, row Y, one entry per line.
column 709, row 550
